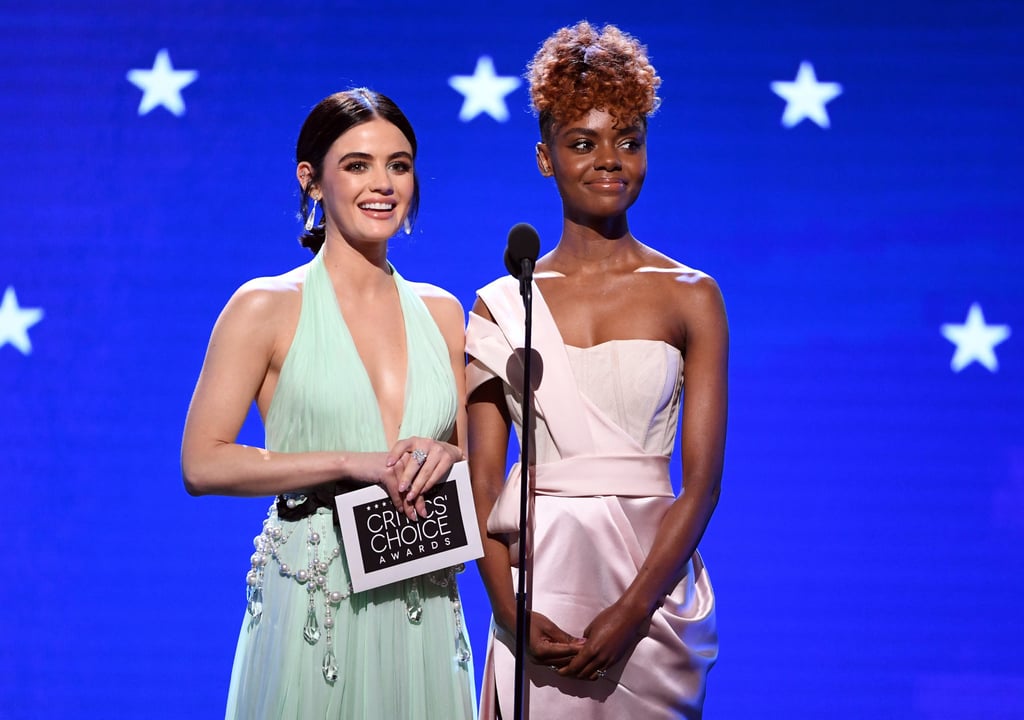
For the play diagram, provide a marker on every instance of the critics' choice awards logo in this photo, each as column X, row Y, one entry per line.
column 388, row 538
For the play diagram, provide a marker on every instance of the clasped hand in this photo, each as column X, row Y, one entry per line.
column 604, row 642
column 413, row 466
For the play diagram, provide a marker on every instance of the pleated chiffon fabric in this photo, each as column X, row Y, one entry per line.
column 605, row 426
column 399, row 651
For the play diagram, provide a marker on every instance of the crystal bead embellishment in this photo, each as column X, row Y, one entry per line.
column 255, row 604
column 413, row 604
column 330, row 667
column 462, row 651
column 311, row 631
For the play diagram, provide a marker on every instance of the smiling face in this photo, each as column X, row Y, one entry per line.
column 598, row 164
column 367, row 183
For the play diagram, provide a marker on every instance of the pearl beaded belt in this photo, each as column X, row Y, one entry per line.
column 296, row 506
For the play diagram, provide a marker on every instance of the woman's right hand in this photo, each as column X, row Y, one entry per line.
column 549, row 644
column 420, row 463
column 371, row 468
column 392, row 470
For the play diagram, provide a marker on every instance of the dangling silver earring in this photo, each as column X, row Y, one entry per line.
column 407, row 226
column 311, row 218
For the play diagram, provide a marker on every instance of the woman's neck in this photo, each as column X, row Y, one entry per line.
column 358, row 269
column 593, row 245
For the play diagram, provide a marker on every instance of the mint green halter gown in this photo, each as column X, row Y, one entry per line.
column 309, row 647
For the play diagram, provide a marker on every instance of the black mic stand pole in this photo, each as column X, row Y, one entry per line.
column 522, row 620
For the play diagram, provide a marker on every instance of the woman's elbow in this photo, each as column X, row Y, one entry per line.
column 197, row 481
column 715, row 494
column 193, row 486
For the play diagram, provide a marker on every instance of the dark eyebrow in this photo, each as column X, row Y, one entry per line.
column 367, row 156
column 355, row 156
column 587, row 132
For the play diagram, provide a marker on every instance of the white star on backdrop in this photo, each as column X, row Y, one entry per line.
column 975, row 340
column 15, row 322
column 806, row 97
column 162, row 85
column 484, row 91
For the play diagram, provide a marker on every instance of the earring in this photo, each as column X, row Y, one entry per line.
column 542, row 165
column 311, row 218
column 407, row 226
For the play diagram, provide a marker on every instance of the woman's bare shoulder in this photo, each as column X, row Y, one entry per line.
column 264, row 297
column 676, row 274
column 437, row 297
column 444, row 307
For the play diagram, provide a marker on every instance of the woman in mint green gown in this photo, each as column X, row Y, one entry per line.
column 358, row 376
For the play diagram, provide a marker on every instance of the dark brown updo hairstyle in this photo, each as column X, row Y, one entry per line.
column 579, row 69
column 332, row 117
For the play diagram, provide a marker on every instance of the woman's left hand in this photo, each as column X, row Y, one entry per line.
column 426, row 462
column 607, row 638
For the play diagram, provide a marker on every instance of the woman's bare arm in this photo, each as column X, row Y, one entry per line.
column 489, row 428
column 238, row 362
column 703, row 447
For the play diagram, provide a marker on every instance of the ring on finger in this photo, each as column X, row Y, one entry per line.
column 420, row 456
column 600, row 673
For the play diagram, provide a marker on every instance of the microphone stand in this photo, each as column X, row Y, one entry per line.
column 522, row 620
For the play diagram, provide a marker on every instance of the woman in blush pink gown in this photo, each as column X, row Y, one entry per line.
column 622, row 613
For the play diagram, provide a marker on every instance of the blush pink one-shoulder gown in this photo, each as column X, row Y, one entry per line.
column 605, row 425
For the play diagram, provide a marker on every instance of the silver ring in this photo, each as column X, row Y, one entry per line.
column 420, row 456
column 601, row 673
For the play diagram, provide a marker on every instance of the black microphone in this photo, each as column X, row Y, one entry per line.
column 520, row 256
column 522, row 250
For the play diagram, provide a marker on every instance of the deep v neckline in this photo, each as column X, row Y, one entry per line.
column 404, row 405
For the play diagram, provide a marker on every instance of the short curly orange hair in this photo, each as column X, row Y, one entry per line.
column 579, row 69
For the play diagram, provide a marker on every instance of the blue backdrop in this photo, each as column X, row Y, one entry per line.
column 850, row 173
